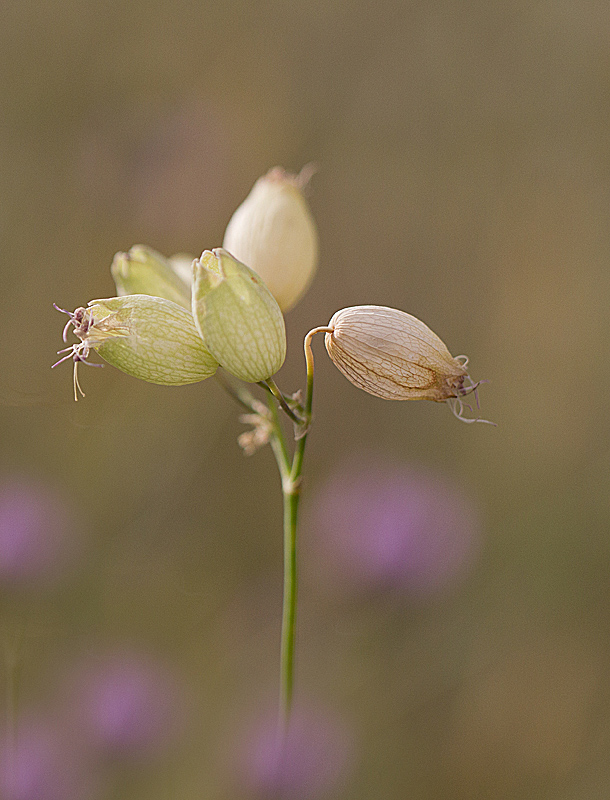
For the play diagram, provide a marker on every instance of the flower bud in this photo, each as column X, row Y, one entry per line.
column 238, row 319
column 393, row 355
column 147, row 337
column 144, row 271
column 273, row 232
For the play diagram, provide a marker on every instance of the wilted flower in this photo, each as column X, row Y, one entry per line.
column 238, row 319
column 147, row 337
column 384, row 525
column 36, row 531
column 144, row 271
column 273, row 232
column 391, row 354
column 307, row 764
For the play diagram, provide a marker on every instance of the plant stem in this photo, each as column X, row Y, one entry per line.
column 291, row 494
column 290, row 473
column 271, row 386
column 279, row 446
column 291, row 490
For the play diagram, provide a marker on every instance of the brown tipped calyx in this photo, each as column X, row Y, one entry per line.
column 393, row 355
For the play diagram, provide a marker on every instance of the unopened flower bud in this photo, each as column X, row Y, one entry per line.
column 391, row 354
column 238, row 319
column 144, row 271
column 147, row 337
column 273, row 232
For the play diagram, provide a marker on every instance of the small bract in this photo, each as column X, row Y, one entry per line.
column 147, row 337
column 238, row 319
column 274, row 233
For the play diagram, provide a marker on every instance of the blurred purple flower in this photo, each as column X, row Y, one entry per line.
column 126, row 705
column 307, row 765
column 36, row 532
column 41, row 764
column 379, row 524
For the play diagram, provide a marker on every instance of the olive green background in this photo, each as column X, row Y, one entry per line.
column 464, row 176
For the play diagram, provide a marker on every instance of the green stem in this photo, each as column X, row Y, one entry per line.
column 271, row 385
column 290, row 473
column 289, row 606
column 278, row 445
column 291, row 490
column 289, row 602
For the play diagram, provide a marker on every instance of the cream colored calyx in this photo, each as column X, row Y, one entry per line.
column 393, row 355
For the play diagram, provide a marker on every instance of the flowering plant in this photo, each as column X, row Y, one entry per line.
column 177, row 320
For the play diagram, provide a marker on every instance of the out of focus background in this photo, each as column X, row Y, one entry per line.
column 454, row 619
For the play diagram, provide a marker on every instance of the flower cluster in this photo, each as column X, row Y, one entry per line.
column 175, row 320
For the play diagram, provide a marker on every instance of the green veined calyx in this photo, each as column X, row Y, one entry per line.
column 237, row 317
column 146, row 337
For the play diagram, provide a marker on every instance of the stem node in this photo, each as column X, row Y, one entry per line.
column 291, row 486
